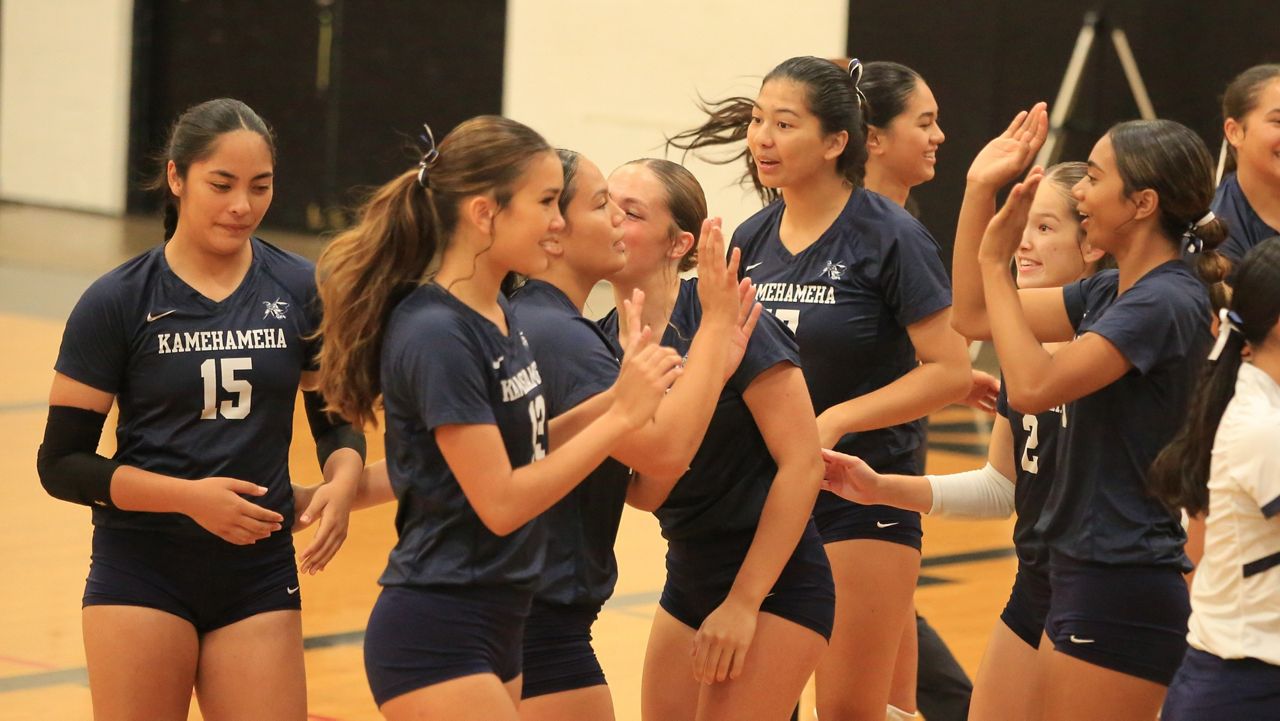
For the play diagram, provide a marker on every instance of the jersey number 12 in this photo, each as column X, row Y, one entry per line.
column 538, row 422
column 233, row 409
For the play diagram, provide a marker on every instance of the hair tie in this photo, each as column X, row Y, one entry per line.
column 855, row 74
column 1194, row 243
column 429, row 156
column 1229, row 322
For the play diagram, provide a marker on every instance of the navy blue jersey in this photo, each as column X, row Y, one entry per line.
column 204, row 389
column 1098, row 510
column 728, row 480
column 849, row 298
column 1035, row 450
column 1244, row 228
column 445, row 364
column 577, row 361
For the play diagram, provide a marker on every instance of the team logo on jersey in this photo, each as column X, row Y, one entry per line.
column 833, row 270
column 275, row 309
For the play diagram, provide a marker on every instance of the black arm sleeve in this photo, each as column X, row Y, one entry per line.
column 68, row 463
column 330, row 431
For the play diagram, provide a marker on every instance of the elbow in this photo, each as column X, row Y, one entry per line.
column 968, row 327
column 647, row 493
column 662, row 466
column 1028, row 401
column 500, row 521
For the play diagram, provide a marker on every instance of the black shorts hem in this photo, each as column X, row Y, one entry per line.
column 849, row 521
column 1126, row 666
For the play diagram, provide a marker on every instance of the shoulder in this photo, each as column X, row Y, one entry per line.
column 295, row 272
column 759, row 225
column 889, row 222
column 1177, row 285
column 124, row 286
column 425, row 316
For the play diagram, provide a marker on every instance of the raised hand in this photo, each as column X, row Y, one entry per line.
column 717, row 276
column 748, row 315
column 632, row 315
column 645, row 376
column 850, row 477
column 1004, row 232
column 1008, row 155
column 721, row 643
column 217, row 505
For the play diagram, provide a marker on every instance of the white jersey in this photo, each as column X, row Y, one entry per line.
column 1235, row 601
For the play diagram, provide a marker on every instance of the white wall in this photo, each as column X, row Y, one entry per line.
column 609, row 79
column 64, row 102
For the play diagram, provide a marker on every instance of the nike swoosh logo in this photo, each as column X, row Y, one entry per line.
column 1076, row 639
column 755, row 265
column 152, row 318
column 886, row 525
column 291, row 591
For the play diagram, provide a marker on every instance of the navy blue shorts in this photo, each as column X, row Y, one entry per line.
column 700, row 574
column 207, row 581
column 843, row 520
column 1208, row 688
column 1131, row 619
column 557, row 649
column 419, row 637
column 1028, row 604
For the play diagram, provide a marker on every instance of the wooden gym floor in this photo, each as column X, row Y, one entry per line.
column 48, row 257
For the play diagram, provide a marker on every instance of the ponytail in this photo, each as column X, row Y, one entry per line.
column 832, row 96
column 404, row 227
column 1179, row 477
column 362, row 273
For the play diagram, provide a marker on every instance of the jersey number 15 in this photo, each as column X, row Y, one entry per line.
column 233, row 409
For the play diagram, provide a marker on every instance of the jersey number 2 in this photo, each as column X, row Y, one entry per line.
column 233, row 409
column 538, row 421
column 1030, row 463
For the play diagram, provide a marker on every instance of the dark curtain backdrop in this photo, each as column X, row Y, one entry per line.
column 987, row 59
column 346, row 84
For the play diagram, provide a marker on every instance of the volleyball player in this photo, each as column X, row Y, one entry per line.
column 1248, row 198
column 417, row 322
column 860, row 283
column 579, row 363
column 748, row 596
column 203, row 343
column 1021, row 457
column 1135, row 338
column 1224, row 462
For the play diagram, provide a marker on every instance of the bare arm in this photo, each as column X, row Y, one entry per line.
column 505, row 498
column 779, row 403
column 1035, row 379
column 942, row 377
column 214, row 503
column 850, row 477
column 997, row 165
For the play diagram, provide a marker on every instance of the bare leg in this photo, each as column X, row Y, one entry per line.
column 480, row 697
column 668, row 690
column 875, row 581
column 253, row 669
column 586, row 704
column 769, row 687
column 142, row 663
column 1006, row 679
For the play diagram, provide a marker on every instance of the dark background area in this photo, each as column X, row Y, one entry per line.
column 346, row 84
column 987, row 59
